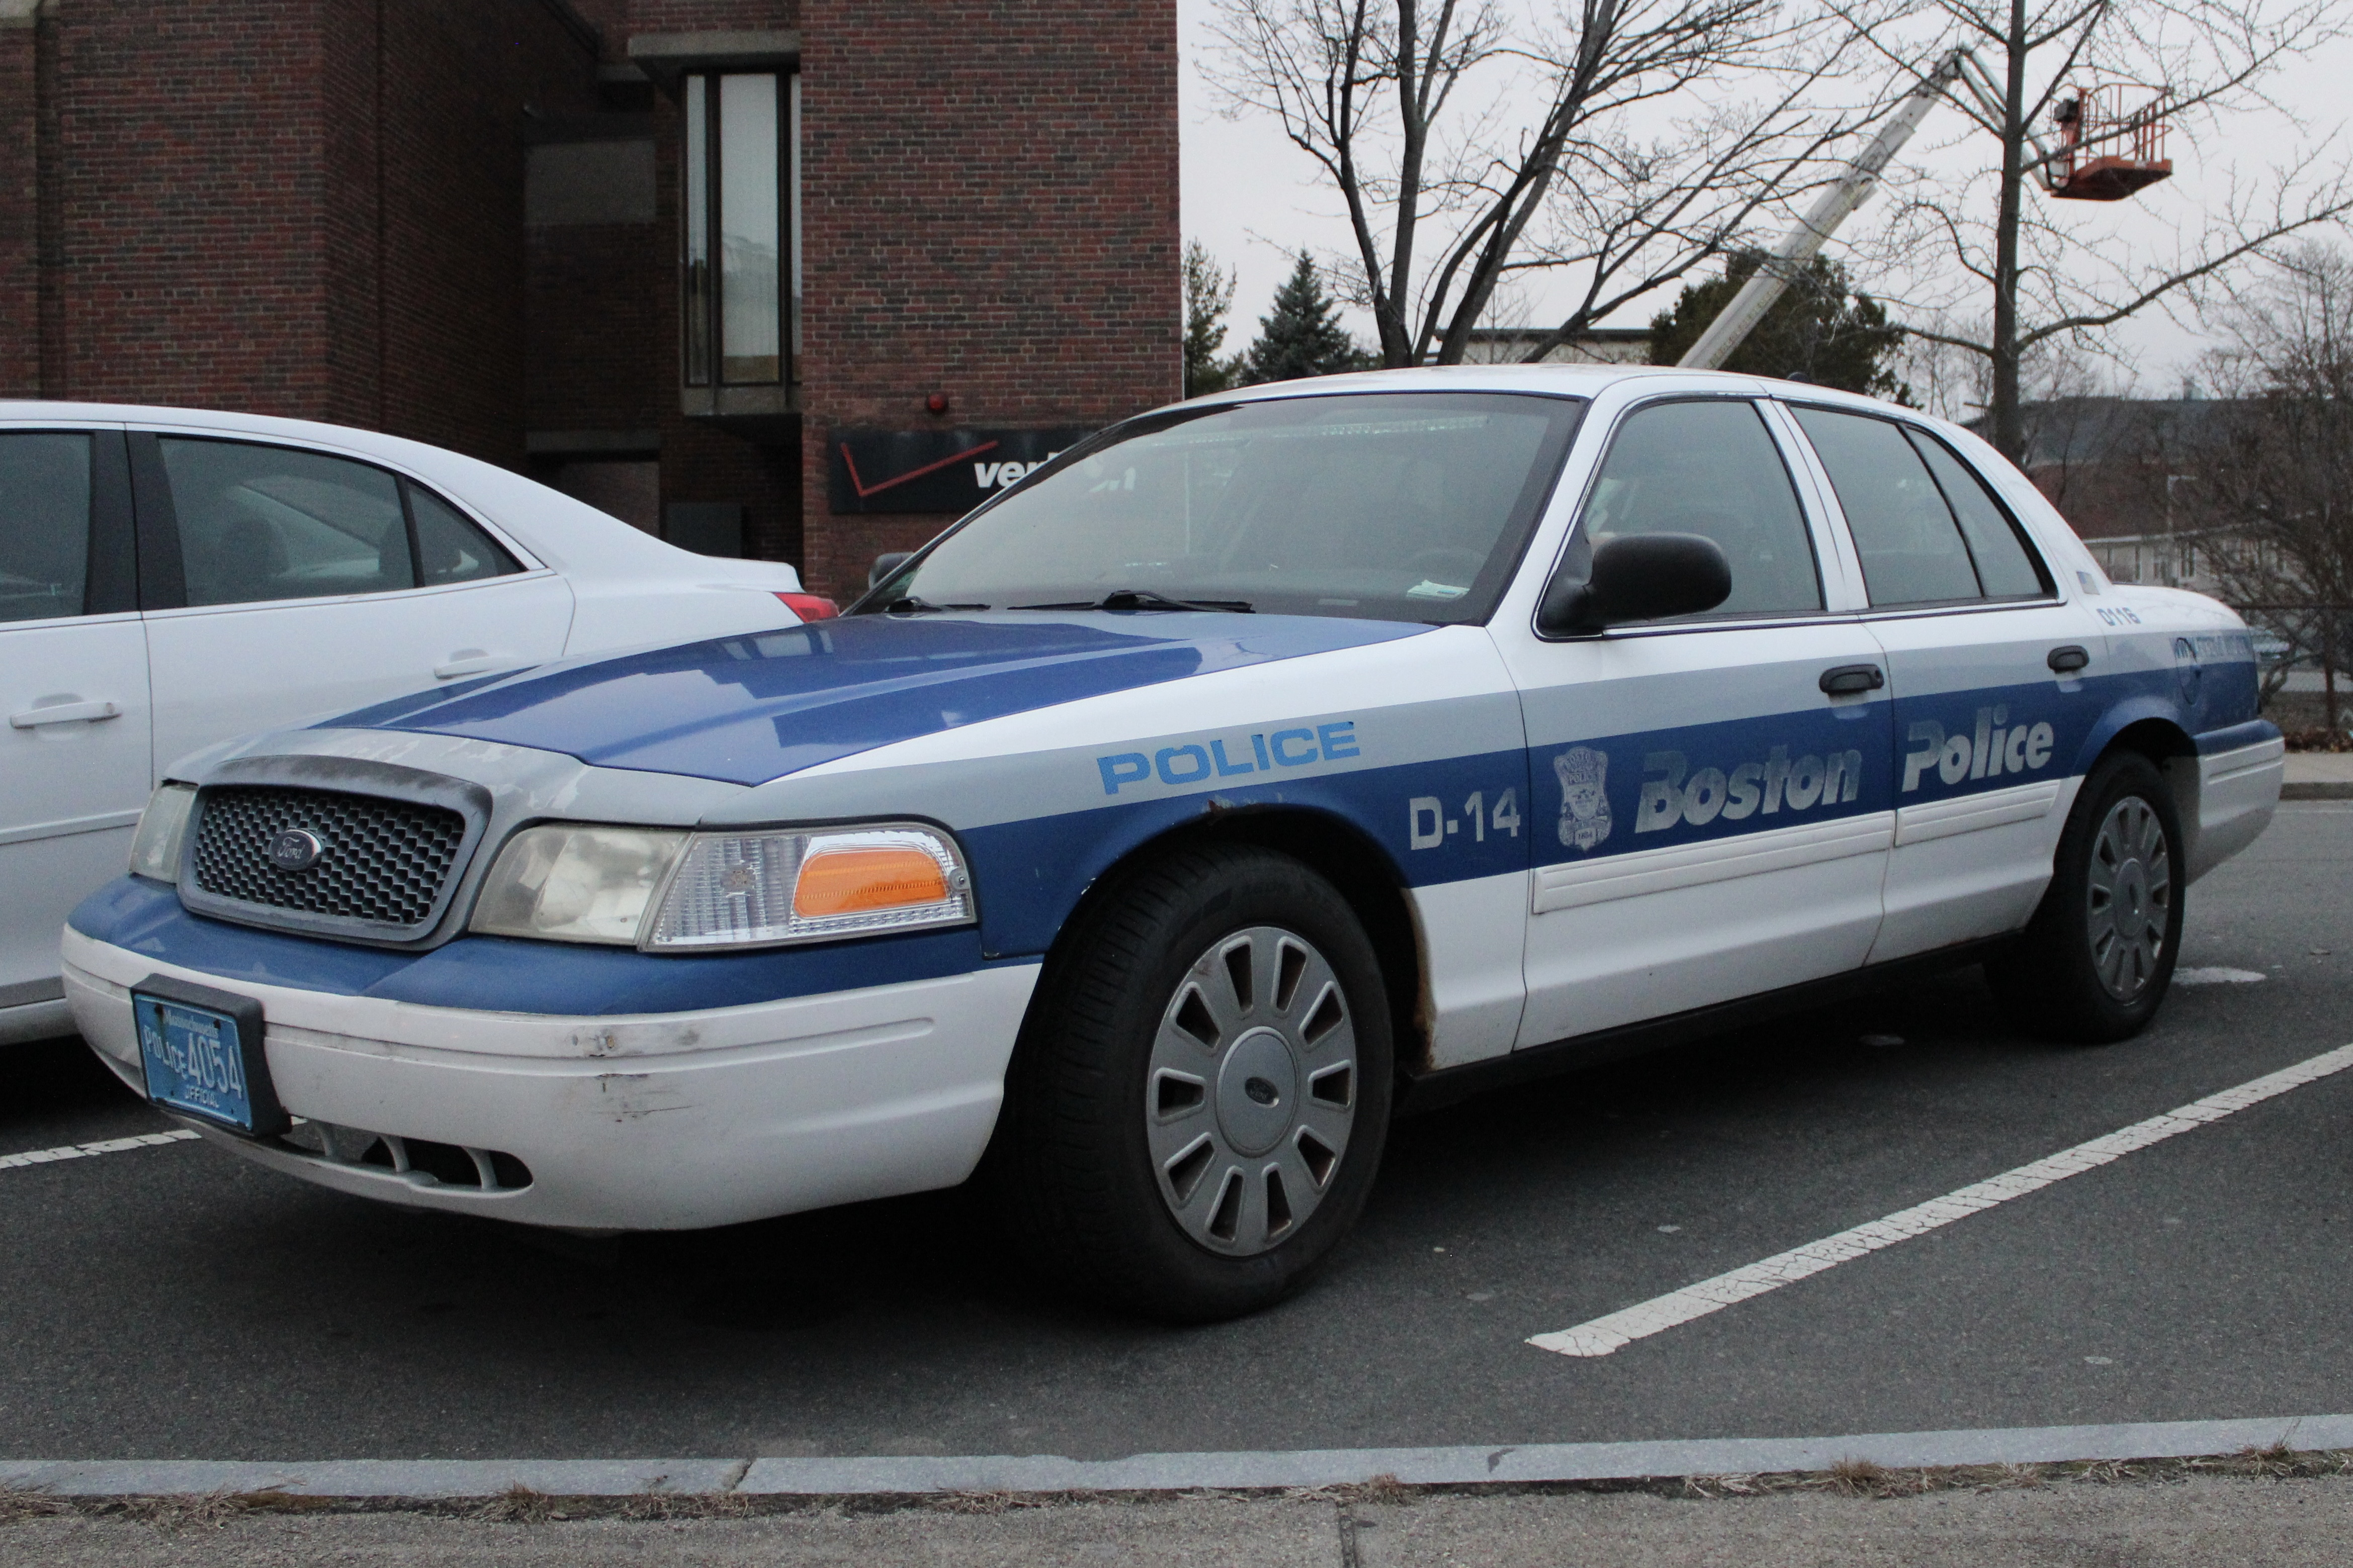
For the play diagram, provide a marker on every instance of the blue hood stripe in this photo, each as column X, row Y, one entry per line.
column 747, row 710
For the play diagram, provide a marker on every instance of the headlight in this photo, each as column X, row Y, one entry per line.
column 757, row 889
column 721, row 890
column 567, row 883
column 156, row 851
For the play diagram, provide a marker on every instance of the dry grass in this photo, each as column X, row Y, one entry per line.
column 520, row 1504
column 25, row 1502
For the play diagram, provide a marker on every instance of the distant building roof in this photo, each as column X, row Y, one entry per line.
column 1595, row 345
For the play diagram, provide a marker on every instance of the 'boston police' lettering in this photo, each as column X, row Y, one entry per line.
column 1749, row 789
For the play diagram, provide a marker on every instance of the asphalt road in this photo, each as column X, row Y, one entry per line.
column 175, row 1303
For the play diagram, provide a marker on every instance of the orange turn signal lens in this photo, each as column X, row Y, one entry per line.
column 849, row 881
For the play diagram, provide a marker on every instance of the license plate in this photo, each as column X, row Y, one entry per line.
column 198, row 1059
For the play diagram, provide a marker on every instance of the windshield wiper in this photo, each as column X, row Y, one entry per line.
column 1144, row 599
column 911, row 605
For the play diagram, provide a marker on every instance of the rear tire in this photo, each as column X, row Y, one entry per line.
column 1201, row 1094
column 2095, row 963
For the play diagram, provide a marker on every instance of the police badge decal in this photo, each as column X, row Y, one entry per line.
column 1584, row 805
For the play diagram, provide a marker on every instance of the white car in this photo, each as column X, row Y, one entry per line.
column 1254, row 763
column 169, row 578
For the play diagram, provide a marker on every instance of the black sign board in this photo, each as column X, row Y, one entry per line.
column 934, row 471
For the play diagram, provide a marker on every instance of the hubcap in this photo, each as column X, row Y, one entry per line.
column 1252, row 1091
column 2129, row 903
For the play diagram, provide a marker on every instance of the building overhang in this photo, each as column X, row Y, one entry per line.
column 666, row 57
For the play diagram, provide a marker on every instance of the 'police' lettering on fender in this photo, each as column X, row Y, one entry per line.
column 1993, row 750
column 1228, row 756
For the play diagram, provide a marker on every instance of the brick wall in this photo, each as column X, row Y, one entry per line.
column 989, row 206
column 465, row 81
column 20, row 281
column 311, row 209
column 315, row 207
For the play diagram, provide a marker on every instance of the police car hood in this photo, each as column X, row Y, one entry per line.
column 749, row 708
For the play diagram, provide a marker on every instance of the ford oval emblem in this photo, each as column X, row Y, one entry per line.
column 296, row 849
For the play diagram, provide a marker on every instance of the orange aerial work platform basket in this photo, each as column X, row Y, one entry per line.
column 2109, row 144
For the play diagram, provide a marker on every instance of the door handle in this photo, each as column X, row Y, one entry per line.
column 1847, row 680
column 466, row 661
column 2068, row 660
column 64, row 713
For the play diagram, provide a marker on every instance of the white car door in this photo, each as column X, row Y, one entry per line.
column 73, row 688
column 1987, row 664
column 1711, row 793
column 280, row 582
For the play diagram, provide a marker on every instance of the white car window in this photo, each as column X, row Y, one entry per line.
column 449, row 548
column 2002, row 558
column 1911, row 547
column 1710, row 467
column 261, row 522
column 45, row 492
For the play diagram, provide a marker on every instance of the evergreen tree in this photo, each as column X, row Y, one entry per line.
column 1302, row 335
column 1209, row 294
column 1818, row 331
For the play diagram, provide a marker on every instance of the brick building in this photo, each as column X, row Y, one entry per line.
column 756, row 274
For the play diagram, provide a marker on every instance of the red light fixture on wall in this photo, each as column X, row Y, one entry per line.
column 938, row 403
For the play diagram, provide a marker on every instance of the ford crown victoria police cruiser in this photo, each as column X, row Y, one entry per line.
column 1156, row 827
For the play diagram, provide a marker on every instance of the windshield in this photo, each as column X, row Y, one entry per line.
column 1383, row 506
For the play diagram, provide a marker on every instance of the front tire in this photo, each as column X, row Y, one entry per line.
column 2095, row 963
column 1201, row 1096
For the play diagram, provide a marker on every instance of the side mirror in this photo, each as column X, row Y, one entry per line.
column 890, row 561
column 1639, row 577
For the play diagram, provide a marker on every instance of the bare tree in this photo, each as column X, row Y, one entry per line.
column 2276, row 501
column 1475, row 142
column 2028, row 270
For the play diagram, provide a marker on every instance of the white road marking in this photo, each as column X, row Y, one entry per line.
column 1602, row 1335
column 103, row 1146
column 2217, row 976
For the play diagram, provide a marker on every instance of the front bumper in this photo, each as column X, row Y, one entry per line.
column 647, row 1121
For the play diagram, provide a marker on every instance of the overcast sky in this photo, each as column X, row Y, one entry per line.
column 1253, row 200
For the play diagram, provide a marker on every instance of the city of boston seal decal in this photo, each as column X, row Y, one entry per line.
column 1584, row 802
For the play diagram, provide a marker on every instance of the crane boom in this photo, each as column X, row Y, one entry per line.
column 1736, row 320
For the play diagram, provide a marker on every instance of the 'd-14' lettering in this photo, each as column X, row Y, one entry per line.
column 1428, row 825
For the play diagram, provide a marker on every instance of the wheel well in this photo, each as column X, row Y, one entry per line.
column 2175, row 755
column 1342, row 854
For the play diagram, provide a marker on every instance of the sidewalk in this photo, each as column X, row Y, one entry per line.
column 2199, row 1521
column 2319, row 775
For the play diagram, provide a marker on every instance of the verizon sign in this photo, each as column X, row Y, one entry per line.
column 934, row 471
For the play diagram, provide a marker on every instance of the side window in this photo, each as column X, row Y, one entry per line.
column 45, row 496
column 449, row 549
column 1711, row 468
column 277, row 522
column 2004, row 564
column 1912, row 551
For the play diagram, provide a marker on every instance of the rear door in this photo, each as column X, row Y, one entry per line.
column 1711, row 822
column 280, row 582
column 1988, row 665
column 73, row 691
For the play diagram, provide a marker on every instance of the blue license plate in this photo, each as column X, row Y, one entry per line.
column 195, row 1060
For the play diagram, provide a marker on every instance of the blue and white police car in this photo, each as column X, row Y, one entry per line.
column 1263, row 762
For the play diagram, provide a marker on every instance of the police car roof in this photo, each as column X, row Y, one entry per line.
column 1562, row 380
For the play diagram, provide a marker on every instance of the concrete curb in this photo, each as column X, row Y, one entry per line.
column 1238, row 1472
column 2316, row 789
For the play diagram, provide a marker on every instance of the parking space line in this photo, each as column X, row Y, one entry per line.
column 1600, row 1336
column 102, row 1146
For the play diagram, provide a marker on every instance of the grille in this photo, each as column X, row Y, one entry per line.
column 385, row 861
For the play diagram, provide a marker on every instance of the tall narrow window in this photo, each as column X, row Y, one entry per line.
column 737, row 167
column 698, row 232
